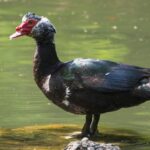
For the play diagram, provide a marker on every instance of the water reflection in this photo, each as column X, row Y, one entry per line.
column 100, row 29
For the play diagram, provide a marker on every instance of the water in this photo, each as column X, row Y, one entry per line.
column 116, row 30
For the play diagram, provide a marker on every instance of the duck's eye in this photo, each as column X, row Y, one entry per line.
column 30, row 21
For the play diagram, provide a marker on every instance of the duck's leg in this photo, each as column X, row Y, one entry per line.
column 94, row 124
column 86, row 128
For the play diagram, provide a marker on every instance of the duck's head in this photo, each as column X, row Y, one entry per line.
column 38, row 27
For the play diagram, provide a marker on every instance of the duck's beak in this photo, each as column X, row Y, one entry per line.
column 19, row 31
column 15, row 35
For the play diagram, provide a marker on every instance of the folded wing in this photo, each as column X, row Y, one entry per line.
column 102, row 76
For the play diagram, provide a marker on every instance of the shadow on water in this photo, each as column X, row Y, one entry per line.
column 125, row 138
column 53, row 137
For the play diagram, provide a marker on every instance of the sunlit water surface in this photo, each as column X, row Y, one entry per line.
column 117, row 30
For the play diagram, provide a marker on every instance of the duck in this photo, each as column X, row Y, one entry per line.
column 82, row 86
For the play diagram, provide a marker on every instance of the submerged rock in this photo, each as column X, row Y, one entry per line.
column 86, row 144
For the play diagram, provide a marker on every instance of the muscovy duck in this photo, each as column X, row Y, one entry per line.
column 82, row 86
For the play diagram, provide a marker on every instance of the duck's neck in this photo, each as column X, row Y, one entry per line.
column 45, row 60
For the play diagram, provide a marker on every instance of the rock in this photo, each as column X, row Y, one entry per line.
column 86, row 144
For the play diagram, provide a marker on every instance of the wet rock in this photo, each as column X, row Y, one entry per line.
column 86, row 144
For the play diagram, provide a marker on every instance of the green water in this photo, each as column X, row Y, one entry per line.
column 117, row 30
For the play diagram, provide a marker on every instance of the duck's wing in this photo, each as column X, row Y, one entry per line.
column 102, row 76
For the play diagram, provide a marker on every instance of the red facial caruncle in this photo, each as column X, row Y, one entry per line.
column 24, row 28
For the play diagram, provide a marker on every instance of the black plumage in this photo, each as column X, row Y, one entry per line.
column 84, row 86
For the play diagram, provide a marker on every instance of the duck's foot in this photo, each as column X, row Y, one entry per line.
column 95, row 135
column 90, row 134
